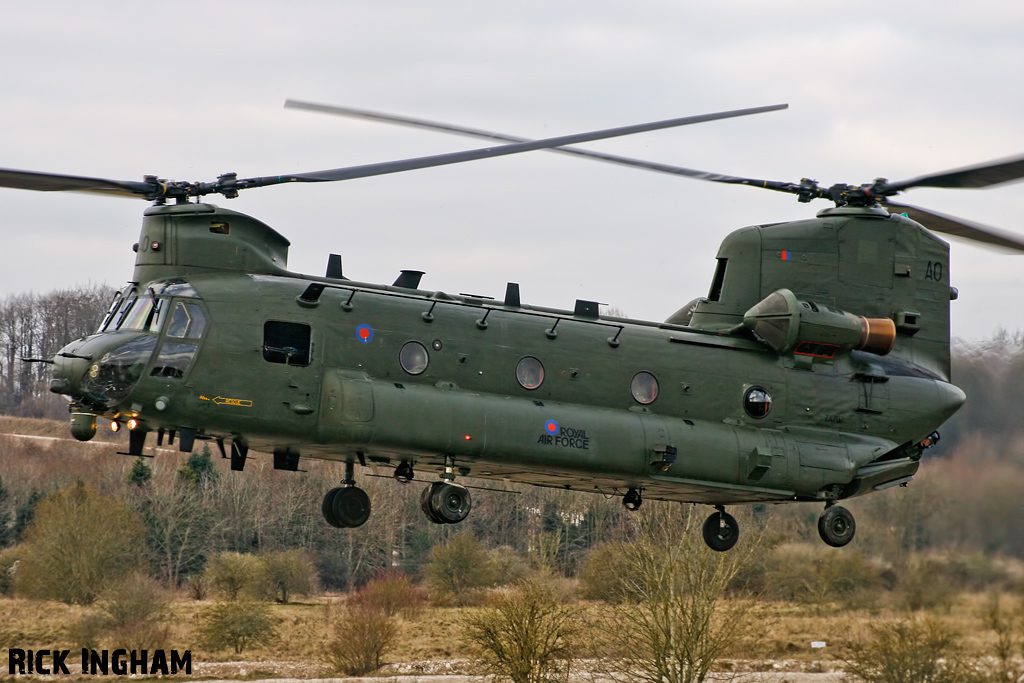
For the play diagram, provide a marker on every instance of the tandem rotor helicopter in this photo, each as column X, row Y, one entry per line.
column 817, row 368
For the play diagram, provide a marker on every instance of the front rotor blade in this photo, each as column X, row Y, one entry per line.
column 353, row 172
column 52, row 182
column 491, row 135
column 981, row 175
column 958, row 227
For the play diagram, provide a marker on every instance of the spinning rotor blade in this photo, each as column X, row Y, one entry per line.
column 959, row 227
column 51, row 182
column 229, row 184
column 981, row 175
column 491, row 135
column 514, row 148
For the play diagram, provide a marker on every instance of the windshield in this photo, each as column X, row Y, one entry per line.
column 113, row 377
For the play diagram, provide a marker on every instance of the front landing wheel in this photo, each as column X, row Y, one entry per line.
column 836, row 526
column 721, row 531
column 346, row 507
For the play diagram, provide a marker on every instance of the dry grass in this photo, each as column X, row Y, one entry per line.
column 436, row 633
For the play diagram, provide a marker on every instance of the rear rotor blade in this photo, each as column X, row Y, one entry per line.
column 958, row 227
column 978, row 176
column 353, row 172
column 491, row 135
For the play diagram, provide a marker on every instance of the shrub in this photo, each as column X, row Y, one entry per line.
column 914, row 651
column 233, row 574
column 132, row 613
column 362, row 637
column 818, row 576
column 237, row 625
column 197, row 586
column 79, row 542
column 392, row 593
column 526, row 636
column 601, row 577
column 285, row 574
column 926, row 585
column 458, row 569
column 675, row 624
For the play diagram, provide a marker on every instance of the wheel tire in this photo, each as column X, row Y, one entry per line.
column 836, row 526
column 449, row 502
column 328, row 508
column 721, row 531
column 351, row 507
column 425, row 505
column 632, row 500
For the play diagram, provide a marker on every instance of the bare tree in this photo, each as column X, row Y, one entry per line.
column 676, row 624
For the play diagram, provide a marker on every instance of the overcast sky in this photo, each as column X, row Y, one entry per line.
column 192, row 90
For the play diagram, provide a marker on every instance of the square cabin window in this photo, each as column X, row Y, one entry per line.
column 287, row 343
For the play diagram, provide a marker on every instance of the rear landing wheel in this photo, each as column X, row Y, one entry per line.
column 836, row 526
column 445, row 503
column 346, row 507
column 632, row 500
column 721, row 531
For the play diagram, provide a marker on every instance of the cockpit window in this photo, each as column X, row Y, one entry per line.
column 141, row 315
column 115, row 303
column 124, row 310
column 112, row 378
column 187, row 320
column 173, row 360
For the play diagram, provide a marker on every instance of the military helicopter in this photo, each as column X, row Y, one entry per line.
column 817, row 368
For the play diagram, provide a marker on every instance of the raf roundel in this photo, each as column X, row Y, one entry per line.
column 364, row 333
column 551, row 427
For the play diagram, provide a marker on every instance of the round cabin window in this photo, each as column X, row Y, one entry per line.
column 644, row 387
column 530, row 373
column 757, row 402
column 413, row 357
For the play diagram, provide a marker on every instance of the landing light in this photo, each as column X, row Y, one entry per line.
column 132, row 424
column 114, row 426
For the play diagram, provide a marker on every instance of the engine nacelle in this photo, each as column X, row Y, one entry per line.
column 805, row 328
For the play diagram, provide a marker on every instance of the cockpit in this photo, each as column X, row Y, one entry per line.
column 154, row 331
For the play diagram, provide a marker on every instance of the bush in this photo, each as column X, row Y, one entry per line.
column 392, row 593
column 79, row 542
column 362, row 637
column 458, row 569
column 234, row 574
column 601, row 575
column 819, row 576
column 285, row 574
column 526, row 636
column 915, row 651
column 132, row 614
column 197, row 586
column 237, row 625
column 926, row 585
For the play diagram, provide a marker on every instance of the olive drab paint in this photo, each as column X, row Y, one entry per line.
column 304, row 366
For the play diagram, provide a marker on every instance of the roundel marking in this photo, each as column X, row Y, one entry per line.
column 551, row 427
column 364, row 333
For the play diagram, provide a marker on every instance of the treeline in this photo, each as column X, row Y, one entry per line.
column 37, row 326
column 194, row 508
column 991, row 373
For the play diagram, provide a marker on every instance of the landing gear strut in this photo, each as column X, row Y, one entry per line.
column 445, row 502
column 721, row 530
column 346, row 506
column 836, row 526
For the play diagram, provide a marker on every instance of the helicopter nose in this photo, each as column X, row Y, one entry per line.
column 68, row 370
